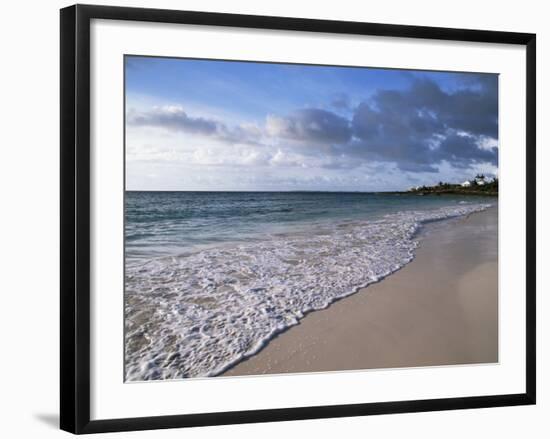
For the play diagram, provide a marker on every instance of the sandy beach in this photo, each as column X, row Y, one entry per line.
column 440, row 309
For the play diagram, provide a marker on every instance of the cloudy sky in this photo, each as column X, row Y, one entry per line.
column 219, row 125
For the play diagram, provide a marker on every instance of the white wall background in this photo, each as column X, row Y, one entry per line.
column 29, row 236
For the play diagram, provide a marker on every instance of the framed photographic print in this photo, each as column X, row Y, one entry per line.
column 267, row 218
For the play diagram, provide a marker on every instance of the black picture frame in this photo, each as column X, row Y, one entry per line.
column 75, row 217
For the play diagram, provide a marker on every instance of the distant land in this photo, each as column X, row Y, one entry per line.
column 479, row 185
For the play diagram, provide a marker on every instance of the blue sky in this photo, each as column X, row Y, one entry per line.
column 224, row 125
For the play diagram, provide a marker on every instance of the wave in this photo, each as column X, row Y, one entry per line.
column 199, row 314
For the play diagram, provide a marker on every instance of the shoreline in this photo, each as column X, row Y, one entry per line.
column 439, row 309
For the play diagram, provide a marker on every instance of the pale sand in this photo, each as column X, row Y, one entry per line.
column 440, row 309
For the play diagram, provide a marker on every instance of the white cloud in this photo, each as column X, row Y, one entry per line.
column 179, row 147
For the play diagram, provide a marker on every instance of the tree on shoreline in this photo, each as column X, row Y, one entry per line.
column 475, row 188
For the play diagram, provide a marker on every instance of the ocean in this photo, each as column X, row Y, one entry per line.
column 211, row 277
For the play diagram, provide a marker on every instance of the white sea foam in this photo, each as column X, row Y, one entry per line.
column 198, row 314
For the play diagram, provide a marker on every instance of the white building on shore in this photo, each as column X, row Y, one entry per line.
column 480, row 180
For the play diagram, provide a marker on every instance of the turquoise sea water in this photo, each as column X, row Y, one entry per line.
column 167, row 223
column 211, row 277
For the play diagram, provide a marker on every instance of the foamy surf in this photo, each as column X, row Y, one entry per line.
column 199, row 314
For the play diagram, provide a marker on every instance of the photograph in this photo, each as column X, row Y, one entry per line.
column 295, row 218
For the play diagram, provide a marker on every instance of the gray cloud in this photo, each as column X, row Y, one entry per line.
column 416, row 129
column 341, row 102
column 473, row 109
column 310, row 125
column 176, row 119
column 420, row 127
column 463, row 151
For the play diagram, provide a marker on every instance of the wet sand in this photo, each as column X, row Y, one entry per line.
column 440, row 309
